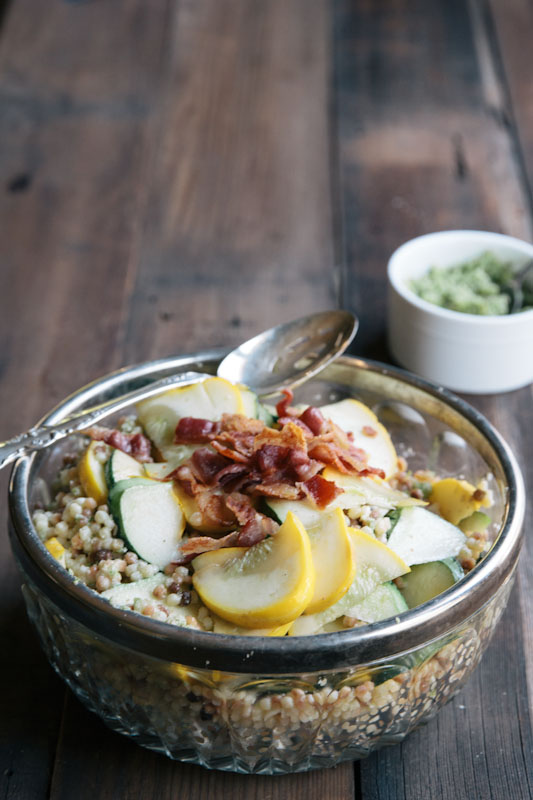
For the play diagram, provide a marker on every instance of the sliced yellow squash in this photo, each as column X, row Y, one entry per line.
column 92, row 474
column 333, row 559
column 56, row 549
column 222, row 626
column 369, row 552
column 266, row 585
column 456, row 499
column 208, row 399
column 369, row 434
column 375, row 564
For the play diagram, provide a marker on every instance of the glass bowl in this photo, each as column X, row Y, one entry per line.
column 277, row 705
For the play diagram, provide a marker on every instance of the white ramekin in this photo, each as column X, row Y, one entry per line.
column 464, row 352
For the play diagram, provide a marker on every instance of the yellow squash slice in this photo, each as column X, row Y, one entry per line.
column 208, row 399
column 92, row 474
column 222, row 626
column 375, row 564
column 456, row 499
column 369, row 434
column 333, row 559
column 56, row 549
column 266, row 585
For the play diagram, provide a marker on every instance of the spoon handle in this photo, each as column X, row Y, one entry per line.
column 46, row 435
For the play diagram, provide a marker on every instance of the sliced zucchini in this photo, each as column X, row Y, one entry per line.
column 369, row 434
column 120, row 467
column 426, row 581
column 370, row 491
column 253, row 408
column 419, row 536
column 356, row 492
column 365, row 582
column 149, row 518
column 384, row 602
column 477, row 522
column 158, row 469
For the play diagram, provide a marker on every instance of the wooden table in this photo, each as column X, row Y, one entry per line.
column 179, row 174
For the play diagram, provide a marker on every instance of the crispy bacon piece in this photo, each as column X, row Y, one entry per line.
column 256, row 529
column 368, row 430
column 283, row 407
column 193, row 430
column 202, row 544
column 244, row 459
column 228, row 452
column 134, row 444
column 321, row 491
column 207, row 465
column 315, row 420
column 281, row 490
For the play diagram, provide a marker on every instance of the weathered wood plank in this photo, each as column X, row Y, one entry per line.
column 238, row 222
column 236, row 234
column 510, row 22
column 425, row 144
column 75, row 111
column 127, row 772
column 420, row 147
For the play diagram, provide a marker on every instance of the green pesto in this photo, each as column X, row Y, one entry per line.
column 474, row 287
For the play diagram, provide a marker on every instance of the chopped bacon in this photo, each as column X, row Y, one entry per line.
column 193, row 430
column 314, row 419
column 228, row 452
column 303, row 466
column 134, row 444
column 185, row 477
column 283, row 407
column 368, row 430
column 207, row 465
column 244, row 459
column 257, row 529
column 296, row 421
column 214, row 510
column 241, row 505
column 283, row 491
column 202, row 544
column 321, row 491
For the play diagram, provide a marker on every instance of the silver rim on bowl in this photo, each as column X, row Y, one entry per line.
column 278, row 655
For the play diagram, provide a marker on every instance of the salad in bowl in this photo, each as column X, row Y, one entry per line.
column 268, row 588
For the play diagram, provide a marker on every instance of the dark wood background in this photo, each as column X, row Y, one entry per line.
column 177, row 174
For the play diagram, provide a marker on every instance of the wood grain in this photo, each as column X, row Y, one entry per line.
column 72, row 129
column 238, row 230
column 180, row 174
column 428, row 144
column 419, row 146
column 234, row 235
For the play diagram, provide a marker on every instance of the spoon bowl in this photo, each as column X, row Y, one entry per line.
column 291, row 353
column 283, row 356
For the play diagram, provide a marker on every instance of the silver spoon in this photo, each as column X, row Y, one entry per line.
column 283, row 356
